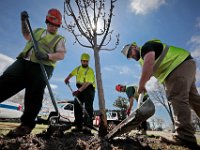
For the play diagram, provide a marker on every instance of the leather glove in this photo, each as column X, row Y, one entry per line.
column 66, row 81
column 76, row 93
column 24, row 15
column 41, row 56
column 128, row 111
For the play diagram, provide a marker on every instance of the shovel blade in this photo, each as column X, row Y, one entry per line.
column 146, row 110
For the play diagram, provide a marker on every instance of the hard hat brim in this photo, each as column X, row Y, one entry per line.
column 126, row 49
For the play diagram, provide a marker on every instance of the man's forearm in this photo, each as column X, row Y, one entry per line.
column 131, row 102
column 25, row 30
column 56, row 56
column 84, row 86
column 147, row 70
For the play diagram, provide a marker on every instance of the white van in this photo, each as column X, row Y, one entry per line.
column 66, row 110
column 10, row 110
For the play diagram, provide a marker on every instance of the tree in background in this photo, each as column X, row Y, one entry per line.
column 157, row 94
column 167, row 106
column 157, row 123
column 122, row 103
column 86, row 16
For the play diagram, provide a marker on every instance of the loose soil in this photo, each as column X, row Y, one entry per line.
column 39, row 140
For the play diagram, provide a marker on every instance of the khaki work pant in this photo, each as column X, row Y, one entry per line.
column 183, row 95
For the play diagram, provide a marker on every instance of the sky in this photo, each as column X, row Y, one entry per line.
column 175, row 22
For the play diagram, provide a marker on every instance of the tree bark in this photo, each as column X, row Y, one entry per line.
column 103, row 119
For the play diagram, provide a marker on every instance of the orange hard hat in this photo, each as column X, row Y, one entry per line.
column 54, row 16
column 118, row 87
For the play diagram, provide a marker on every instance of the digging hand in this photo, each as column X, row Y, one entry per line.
column 24, row 15
column 66, row 81
column 41, row 56
column 76, row 93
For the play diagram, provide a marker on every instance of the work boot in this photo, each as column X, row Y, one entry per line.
column 141, row 132
column 86, row 130
column 19, row 131
column 175, row 140
column 144, row 132
column 77, row 129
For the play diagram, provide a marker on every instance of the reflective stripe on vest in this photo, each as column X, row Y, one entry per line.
column 82, row 80
column 174, row 57
column 46, row 44
column 161, row 57
column 84, row 73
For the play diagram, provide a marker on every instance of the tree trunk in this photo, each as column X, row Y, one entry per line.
column 103, row 119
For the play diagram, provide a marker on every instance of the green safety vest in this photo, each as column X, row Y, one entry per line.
column 84, row 75
column 46, row 44
column 174, row 57
column 136, row 95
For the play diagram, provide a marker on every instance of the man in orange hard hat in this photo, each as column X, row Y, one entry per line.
column 25, row 73
column 131, row 92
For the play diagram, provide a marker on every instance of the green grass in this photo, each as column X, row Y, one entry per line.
column 5, row 127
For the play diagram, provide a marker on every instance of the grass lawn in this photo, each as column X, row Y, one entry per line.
column 5, row 127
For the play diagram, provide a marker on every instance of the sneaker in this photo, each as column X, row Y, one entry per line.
column 20, row 131
column 175, row 140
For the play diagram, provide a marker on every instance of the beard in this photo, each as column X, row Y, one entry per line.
column 84, row 65
column 137, row 55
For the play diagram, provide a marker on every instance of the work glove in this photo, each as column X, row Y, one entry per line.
column 76, row 93
column 128, row 111
column 41, row 56
column 24, row 15
column 66, row 81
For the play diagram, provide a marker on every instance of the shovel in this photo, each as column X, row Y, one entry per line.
column 144, row 110
column 84, row 110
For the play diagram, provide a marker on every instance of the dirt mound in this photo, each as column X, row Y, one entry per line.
column 80, row 141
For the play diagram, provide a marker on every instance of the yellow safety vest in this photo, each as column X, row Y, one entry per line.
column 84, row 75
column 46, row 44
column 174, row 57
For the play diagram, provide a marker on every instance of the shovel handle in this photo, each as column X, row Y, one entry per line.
column 70, row 88
column 140, row 99
column 77, row 99
column 36, row 49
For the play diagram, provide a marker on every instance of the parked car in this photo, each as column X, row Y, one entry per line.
column 113, row 118
column 66, row 110
column 10, row 110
